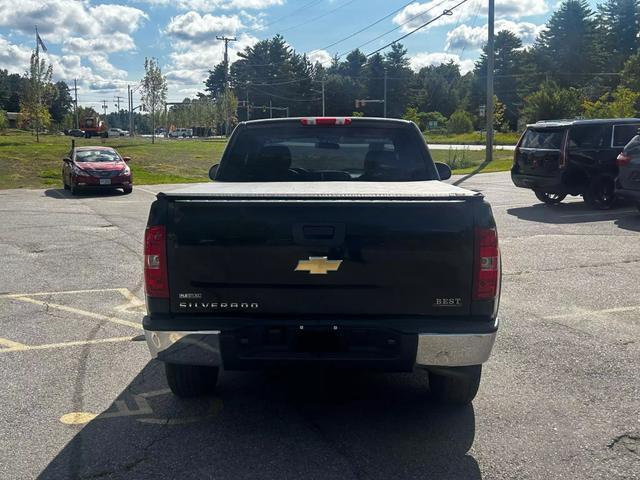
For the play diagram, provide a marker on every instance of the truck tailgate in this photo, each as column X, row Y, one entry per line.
column 402, row 257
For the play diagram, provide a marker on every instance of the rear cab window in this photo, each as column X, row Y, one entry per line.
column 291, row 151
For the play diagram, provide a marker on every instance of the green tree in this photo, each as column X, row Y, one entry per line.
column 411, row 114
column 621, row 103
column 631, row 73
column 214, row 84
column 399, row 78
column 439, row 88
column 61, row 102
column 154, row 91
column 509, row 77
column 226, row 106
column 551, row 102
column 33, row 105
column 3, row 120
column 568, row 49
column 460, row 122
column 427, row 118
column 620, row 27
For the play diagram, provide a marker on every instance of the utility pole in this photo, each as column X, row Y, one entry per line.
column 117, row 100
column 248, row 107
column 490, row 72
column 131, row 118
column 75, row 112
column 385, row 93
column 323, row 114
column 226, row 41
column 270, row 109
column 104, row 107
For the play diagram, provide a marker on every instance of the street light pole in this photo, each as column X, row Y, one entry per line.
column 490, row 72
column 323, row 114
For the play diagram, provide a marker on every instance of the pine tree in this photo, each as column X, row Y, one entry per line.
column 569, row 49
column 619, row 26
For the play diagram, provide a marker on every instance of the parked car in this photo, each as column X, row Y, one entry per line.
column 75, row 132
column 117, row 132
column 628, row 181
column 96, row 168
column 181, row 133
column 572, row 157
column 323, row 241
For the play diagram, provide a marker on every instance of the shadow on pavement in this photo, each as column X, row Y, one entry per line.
column 62, row 194
column 279, row 424
column 570, row 213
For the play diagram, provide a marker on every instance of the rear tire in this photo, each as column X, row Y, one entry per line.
column 550, row 198
column 127, row 190
column 64, row 184
column 191, row 380
column 73, row 189
column 600, row 193
column 458, row 386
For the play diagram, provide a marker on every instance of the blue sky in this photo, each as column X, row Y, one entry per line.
column 103, row 43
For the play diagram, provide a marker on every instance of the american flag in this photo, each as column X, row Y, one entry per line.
column 40, row 42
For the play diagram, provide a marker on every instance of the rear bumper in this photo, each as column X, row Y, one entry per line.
column 385, row 349
column 534, row 182
column 627, row 194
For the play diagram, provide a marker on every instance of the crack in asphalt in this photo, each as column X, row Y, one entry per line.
column 628, row 442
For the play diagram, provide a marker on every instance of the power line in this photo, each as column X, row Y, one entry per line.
column 364, row 28
column 303, row 7
column 396, row 28
column 284, row 98
column 318, row 17
column 443, row 14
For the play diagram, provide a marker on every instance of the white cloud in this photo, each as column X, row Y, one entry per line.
column 213, row 5
column 195, row 28
column 116, row 42
column 14, row 58
column 417, row 13
column 321, row 56
column 426, row 59
column 103, row 66
column 472, row 38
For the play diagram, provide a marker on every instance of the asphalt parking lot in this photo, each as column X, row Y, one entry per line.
column 80, row 398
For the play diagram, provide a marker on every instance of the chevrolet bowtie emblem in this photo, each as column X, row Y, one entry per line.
column 318, row 265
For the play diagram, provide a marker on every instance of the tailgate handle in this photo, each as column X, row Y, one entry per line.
column 319, row 234
column 323, row 232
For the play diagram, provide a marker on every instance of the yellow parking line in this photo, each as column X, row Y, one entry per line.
column 35, row 294
column 10, row 344
column 24, row 348
column 77, row 311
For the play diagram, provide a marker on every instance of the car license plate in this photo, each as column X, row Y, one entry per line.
column 105, row 181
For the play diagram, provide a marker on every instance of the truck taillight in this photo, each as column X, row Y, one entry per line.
column 155, row 262
column 623, row 160
column 487, row 264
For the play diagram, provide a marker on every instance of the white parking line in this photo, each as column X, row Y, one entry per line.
column 585, row 312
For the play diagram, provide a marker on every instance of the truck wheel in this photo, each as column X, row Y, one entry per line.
column 550, row 198
column 601, row 193
column 455, row 385
column 190, row 380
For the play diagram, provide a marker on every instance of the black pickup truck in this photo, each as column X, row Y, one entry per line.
column 323, row 241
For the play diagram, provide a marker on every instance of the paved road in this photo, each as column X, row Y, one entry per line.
column 436, row 146
column 559, row 399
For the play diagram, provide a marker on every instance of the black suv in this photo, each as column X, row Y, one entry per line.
column 572, row 157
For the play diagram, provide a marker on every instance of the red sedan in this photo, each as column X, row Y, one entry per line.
column 95, row 168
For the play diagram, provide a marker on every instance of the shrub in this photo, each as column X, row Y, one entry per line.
column 460, row 122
